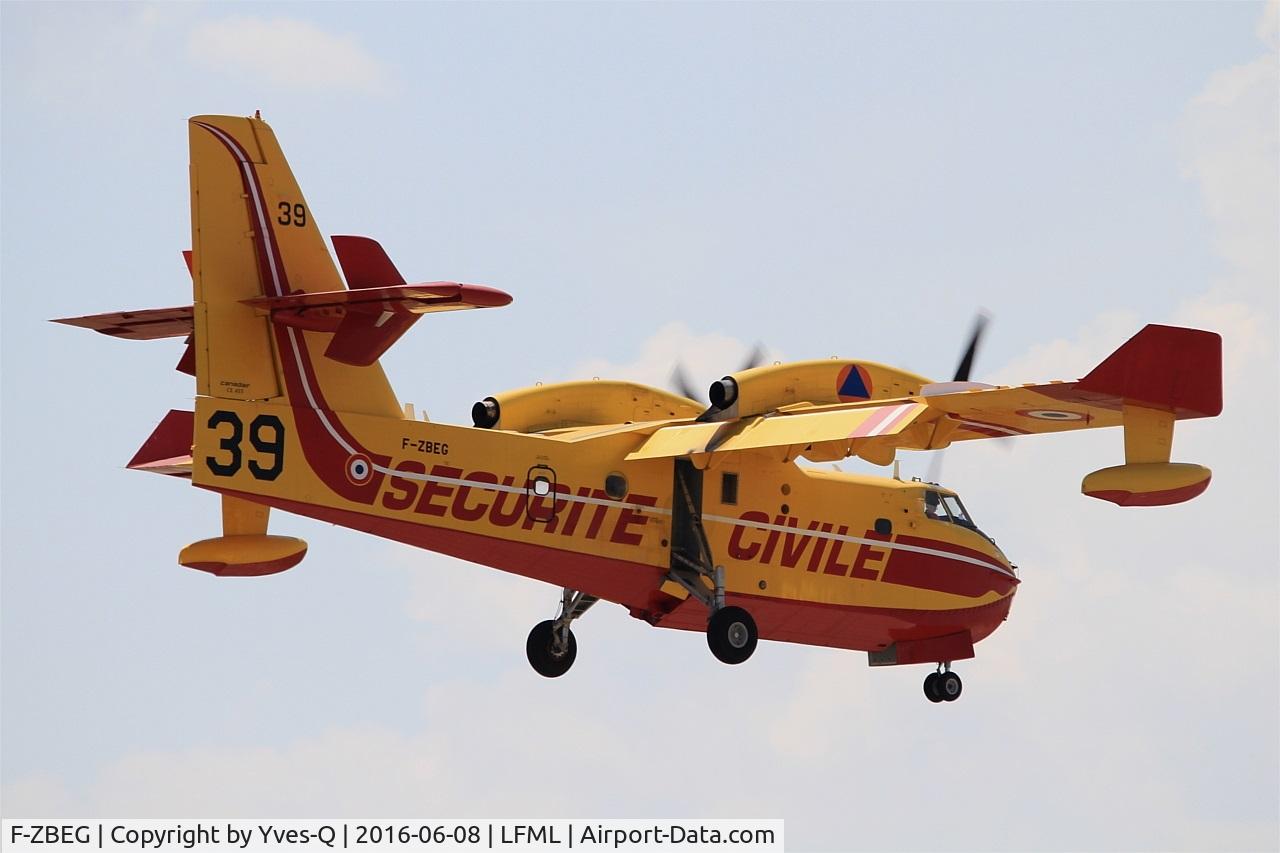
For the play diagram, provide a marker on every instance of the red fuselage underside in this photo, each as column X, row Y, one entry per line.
column 634, row 585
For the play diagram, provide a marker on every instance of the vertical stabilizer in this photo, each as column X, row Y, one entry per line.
column 254, row 235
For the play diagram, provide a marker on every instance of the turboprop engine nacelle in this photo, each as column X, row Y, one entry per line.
column 765, row 389
column 575, row 404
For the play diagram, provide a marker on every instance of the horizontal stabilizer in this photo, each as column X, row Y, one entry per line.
column 403, row 298
column 367, row 321
column 147, row 325
column 168, row 450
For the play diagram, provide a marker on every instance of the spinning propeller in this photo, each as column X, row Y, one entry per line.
column 975, row 337
column 682, row 385
column 963, row 369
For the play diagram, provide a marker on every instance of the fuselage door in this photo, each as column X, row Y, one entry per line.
column 540, row 493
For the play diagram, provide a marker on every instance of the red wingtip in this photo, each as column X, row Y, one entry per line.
column 1167, row 367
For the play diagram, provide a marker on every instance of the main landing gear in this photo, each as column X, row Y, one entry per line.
column 943, row 685
column 731, row 634
column 551, row 647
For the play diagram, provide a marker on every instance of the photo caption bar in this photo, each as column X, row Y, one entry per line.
column 590, row 836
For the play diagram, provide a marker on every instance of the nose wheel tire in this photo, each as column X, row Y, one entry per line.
column 547, row 656
column 949, row 686
column 942, row 686
column 731, row 635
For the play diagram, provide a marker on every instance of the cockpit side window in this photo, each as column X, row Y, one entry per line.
column 956, row 510
column 933, row 506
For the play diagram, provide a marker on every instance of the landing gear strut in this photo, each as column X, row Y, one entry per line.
column 551, row 647
column 943, row 685
column 731, row 632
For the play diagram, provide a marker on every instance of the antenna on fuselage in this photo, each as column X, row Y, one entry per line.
column 897, row 473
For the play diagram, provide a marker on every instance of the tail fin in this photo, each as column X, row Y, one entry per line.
column 271, row 319
column 254, row 236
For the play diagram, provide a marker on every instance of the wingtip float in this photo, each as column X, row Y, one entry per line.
column 690, row 515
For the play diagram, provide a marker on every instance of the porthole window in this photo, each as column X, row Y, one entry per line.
column 615, row 486
column 541, row 486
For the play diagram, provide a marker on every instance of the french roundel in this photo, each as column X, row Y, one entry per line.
column 359, row 469
column 1051, row 415
column 853, row 384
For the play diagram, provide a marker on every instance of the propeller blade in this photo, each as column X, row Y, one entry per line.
column 755, row 358
column 966, row 361
column 934, row 473
column 681, row 385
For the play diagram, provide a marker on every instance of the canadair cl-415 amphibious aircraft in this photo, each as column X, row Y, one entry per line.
column 691, row 515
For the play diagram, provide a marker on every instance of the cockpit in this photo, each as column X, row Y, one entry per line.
column 944, row 507
column 941, row 506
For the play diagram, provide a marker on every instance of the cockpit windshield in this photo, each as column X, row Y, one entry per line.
column 942, row 507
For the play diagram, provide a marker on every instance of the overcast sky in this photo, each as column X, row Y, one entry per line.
column 654, row 182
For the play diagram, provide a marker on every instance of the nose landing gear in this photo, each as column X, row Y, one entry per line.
column 943, row 685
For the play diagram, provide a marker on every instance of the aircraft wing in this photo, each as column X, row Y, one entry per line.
column 1160, row 375
column 797, row 428
column 1022, row 410
column 1172, row 371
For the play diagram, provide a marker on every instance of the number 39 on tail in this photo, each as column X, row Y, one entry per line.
column 691, row 515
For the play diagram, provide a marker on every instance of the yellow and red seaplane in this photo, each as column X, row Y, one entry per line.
column 692, row 515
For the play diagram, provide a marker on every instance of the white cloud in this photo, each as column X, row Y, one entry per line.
column 1230, row 136
column 288, row 52
column 446, row 594
column 84, row 56
column 1269, row 25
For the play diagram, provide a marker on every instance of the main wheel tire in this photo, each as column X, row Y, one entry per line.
column 732, row 635
column 543, row 655
column 949, row 686
column 931, row 690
